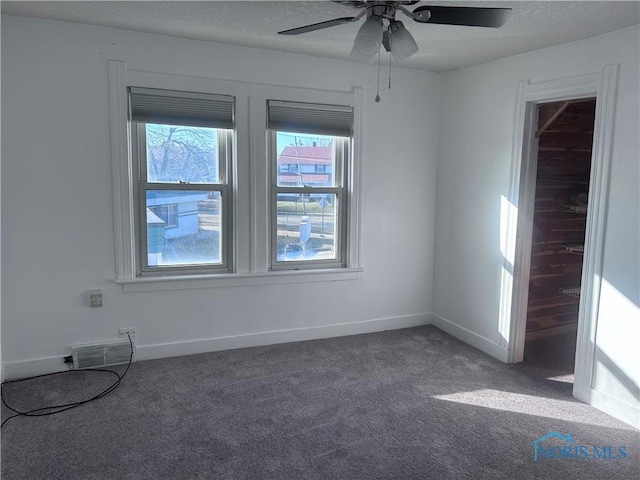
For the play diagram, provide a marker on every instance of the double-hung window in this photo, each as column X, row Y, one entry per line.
column 310, row 168
column 182, row 146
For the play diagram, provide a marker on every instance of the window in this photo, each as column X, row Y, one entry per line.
column 200, row 199
column 167, row 213
column 182, row 145
column 309, row 200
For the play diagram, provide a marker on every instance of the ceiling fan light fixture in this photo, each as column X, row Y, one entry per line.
column 369, row 37
column 361, row 57
column 402, row 43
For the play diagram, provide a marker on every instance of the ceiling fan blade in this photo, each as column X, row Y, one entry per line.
column 318, row 26
column 354, row 4
column 468, row 16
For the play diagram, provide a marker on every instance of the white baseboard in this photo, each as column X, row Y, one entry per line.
column 34, row 366
column 471, row 338
column 148, row 352
column 623, row 411
column 38, row 366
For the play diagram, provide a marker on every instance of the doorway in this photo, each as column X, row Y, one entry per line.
column 601, row 85
column 562, row 176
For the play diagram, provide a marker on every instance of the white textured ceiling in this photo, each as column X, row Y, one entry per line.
column 532, row 25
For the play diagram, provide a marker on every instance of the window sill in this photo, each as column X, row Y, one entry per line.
column 185, row 282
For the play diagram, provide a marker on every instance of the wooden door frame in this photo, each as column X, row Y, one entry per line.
column 603, row 86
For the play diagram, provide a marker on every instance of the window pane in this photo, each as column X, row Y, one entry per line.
column 305, row 160
column 306, row 227
column 183, row 227
column 181, row 154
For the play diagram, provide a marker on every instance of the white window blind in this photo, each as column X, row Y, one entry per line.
column 180, row 108
column 310, row 118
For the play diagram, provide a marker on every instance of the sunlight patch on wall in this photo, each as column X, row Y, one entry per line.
column 508, row 217
column 506, row 290
column 508, row 225
column 617, row 358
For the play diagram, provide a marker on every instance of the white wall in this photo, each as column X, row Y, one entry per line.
column 1, row 362
column 473, row 175
column 57, row 217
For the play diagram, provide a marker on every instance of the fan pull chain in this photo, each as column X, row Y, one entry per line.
column 378, row 91
column 389, row 70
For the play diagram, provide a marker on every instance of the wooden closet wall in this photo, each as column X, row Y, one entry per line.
column 565, row 132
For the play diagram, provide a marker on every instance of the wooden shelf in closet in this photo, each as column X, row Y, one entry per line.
column 571, row 291
column 582, row 209
column 575, row 248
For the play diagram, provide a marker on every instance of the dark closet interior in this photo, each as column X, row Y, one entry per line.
column 565, row 134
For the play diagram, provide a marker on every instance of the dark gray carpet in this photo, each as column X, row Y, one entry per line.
column 405, row 404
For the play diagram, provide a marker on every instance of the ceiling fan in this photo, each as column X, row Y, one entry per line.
column 396, row 38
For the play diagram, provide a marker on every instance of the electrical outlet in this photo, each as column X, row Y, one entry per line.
column 127, row 332
column 95, row 298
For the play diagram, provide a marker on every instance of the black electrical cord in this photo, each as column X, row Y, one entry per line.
column 52, row 410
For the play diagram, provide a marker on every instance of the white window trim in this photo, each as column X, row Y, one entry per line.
column 250, row 252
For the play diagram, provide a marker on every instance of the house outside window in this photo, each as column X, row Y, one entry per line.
column 309, row 208
column 168, row 214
